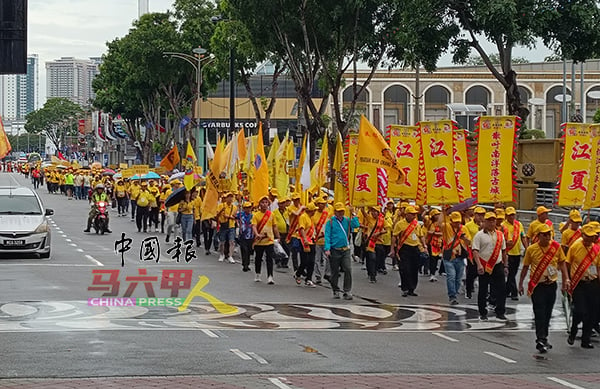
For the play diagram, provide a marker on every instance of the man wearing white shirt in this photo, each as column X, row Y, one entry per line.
column 489, row 253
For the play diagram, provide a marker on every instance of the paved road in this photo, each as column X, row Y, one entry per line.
column 280, row 332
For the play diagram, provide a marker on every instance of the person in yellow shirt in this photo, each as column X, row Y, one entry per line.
column 434, row 239
column 134, row 191
column 143, row 200
column 408, row 242
column 544, row 259
column 583, row 259
column 121, row 196
column 154, row 205
column 515, row 236
column 186, row 209
column 320, row 217
column 164, row 193
column 456, row 245
column 373, row 228
column 172, row 212
column 542, row 218
column 280, row 216
column 474, row 226
column 226, row 217
column 265, row 233
column 384, row 243
column 197, row 229
column 294, row 211
column 306, row 234
column 571, row 231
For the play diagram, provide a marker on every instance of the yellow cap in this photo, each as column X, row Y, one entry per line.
column 575, row 216
column 590, row 230
column 175, row 182
column 510, row 211
column 274, row 192
column 247, row 204
column 403, row 204
column 456, row 217
column 489, row 215
column 311, row 207
column 410, row 209
column 319, row 200
column 283, row 200
column 264, row 197
column 500, row 214
column 542, row 209
column 543, row 228
column 296, row 196
column 480, row 210
column 434, row 212
column 339, row 207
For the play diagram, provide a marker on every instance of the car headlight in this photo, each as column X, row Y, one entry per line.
column 42, row 228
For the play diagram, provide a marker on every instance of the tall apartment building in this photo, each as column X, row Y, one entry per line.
column 19, row 92
column 72, row 78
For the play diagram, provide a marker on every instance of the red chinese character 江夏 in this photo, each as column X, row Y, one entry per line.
column 403, row 150
column 362, row 183
column 406, row 171
column 580, row 151
column 436, row 148
column 176, row 279
column 440, row 178
column 111, row 284
column 578, row 177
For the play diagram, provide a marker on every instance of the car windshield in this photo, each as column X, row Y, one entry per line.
column 19, row 205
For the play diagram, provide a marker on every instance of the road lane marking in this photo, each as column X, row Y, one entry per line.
column 500, row 357
column 258, row 358
column 68, row 240
column 80, row 250
column 97, row 262
column 444, row 337
column 72, row 244
column 565, row 383
column 277, row 382
column 64, row 235
column 241, row 354
column 209, row 333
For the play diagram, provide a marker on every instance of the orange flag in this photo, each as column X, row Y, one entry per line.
column 5, row 147
column 171, row 159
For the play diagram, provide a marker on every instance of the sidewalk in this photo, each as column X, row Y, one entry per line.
column 329, row 381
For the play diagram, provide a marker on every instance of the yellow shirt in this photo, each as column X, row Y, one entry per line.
column 414, row 238
column 533, row 227
column 162, row 198
column 225, row 210
column 320, row 235
column 280, row 221
column 305, row 223
column 154, row 191
column 577, row 252
column 144, row 198
column 448, row 235
column 186, row 208
column 197, row 208
column 516, row 249
column 386, row 239
column 267, row 229
column 566, row 236
column 120, row 191
column 533, row 257
column 134, row 191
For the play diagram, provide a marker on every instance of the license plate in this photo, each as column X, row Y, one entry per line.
column 19, row 242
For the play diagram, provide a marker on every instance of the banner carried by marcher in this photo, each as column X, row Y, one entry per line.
column 461, row 165
column 362, row 178
column 406, row 146
column 496, row 170
column 592, row 200
column 576, row 164
column 437, row 169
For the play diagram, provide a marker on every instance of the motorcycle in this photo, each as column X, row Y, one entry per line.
column 101, row 219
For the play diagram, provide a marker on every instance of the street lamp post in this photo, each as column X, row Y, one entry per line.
column 231, row 129
column 196, row 61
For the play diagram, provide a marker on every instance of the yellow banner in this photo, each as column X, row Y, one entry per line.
column 592, row 199
column 438, row 162
column 495, row 154
column 461, row 165
column 577, row 159
column 140, row 169
column 404, row 142
column 160, row 170
column 362, row 179
column 126, row 173
column 123, row 166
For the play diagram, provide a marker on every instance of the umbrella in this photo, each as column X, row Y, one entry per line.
column 96, row 165
column 118, row 175
column 108, row 172
column 566, row 303
column 135, row 177
column 175, row 197
column 176, row 176
column 151, row 176
column 468, row 203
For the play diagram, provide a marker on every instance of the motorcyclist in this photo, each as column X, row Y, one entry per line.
column 97, row 196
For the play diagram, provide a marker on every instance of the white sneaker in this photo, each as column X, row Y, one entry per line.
column 156, row 229
column 221, row 258
column 231, row 260
column 257, row 278
column 433, row 279
column 270, row 280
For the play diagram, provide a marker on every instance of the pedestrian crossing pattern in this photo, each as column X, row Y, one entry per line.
column 77, row 315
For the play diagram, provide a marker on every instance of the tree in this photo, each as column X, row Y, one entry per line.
column 55, row 119
column 476, row 60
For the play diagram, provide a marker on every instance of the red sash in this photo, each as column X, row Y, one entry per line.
column 409, row 230
column 309, row 238
column 321, row 223
column 262, row 224
column 535, row 238
column 583, row 266
column 293, row 228
column 435, row 242
column 575, row 236
column 378, row 227
column 542, row 266
column 515, row 235
column 487, row 264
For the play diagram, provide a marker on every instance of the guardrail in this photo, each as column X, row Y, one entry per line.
column 548, row 197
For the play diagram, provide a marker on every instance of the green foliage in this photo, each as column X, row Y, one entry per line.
column 596, row 118
column 532, row 134
column 494, row 59
column 56, row 118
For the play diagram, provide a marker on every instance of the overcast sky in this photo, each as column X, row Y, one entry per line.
column 81, row 28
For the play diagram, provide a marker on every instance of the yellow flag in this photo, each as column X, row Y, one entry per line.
column 211, row 198
column 260, row 185
column 374, row 151
column 340, row 188
column 592, row 198
column 576, row 165
column 5, row 147
column 318, row 174
column 241, row 143
column 363, row 178
column 282, row 178
column 272, row 162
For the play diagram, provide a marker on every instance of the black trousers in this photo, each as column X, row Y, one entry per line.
column 381, row 252
column 307, row 263
column 497, row 285
column 471, row 273
column 197, row 232
column 514, row 261
column 585, row 304
column 141, row 218
column 409, row 257
column 433, row 263
column 246, row 251
column 543, row 298
column 268, row 251
column 372, row 264
column 286, row 248
column 207, row 233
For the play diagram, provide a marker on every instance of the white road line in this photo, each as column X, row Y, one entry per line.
column 97, row 262
column 445, row 337
column 68, row 240
column 64, row 235
column 241, row 354
column 258, row 358
column 210, row 333
column 565, row 383
column 500, row 357
column 72, row 244
column 279, row 384
column 80, row 250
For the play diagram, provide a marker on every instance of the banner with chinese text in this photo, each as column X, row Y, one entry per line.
column 362, row 179
column 461, row 165
column 437, row 166
column 577, row 159
column 496, row 172
column 404, row 142
column 592, row 199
